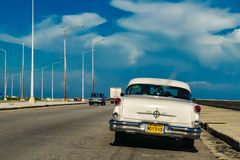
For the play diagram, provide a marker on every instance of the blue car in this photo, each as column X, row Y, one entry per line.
column 97, row 98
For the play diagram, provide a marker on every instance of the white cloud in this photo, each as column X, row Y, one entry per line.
column 49, row 32
column 126, row 46
column 186, row 26
column 174, row 18
column 204, row 85
column 87, row 19
column 8, row 38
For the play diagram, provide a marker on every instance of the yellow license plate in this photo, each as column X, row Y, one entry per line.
column 155, row 128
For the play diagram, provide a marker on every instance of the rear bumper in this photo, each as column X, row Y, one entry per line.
column 169, row 131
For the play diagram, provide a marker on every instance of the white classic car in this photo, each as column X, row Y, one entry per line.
column 159, row 107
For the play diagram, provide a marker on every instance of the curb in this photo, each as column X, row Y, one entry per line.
column 39, row 106
column 225, row 104
column 229, row 140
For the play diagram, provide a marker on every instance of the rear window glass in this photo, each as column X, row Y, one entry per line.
column 157, row 90
column 97, row 95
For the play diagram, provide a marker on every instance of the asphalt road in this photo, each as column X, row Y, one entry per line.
column 80, row 132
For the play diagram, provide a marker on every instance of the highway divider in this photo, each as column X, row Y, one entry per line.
column 226, row 104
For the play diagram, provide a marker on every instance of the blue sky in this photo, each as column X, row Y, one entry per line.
column 194, row 41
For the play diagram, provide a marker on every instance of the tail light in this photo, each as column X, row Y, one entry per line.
column 197, row 109
column 117, row 101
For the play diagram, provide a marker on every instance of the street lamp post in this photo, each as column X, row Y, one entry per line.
column 5, row 73
column 92, row 68
column 42, row 86
column 83, row 75
column 32, row 98
column 12, row 85
column 42, row 82
column 7, row 84
column 94, row 43
column 20, row 82
column 53, row 77
column 22, row 76
column 65, row 58
column 65, row 66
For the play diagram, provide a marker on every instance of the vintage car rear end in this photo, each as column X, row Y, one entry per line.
column 97, row 98
column 158, row 107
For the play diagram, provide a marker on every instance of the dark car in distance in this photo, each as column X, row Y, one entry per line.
column 97, row 98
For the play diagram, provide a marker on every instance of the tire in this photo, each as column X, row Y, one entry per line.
column 90, row 104
column 188, row 143
column 119, row 138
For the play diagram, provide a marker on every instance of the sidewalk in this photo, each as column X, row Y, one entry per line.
column 222, row 123
column 21, row 105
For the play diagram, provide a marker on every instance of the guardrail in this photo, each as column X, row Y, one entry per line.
column 227, row 104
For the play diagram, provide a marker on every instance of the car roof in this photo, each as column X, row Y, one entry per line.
column 159, row 81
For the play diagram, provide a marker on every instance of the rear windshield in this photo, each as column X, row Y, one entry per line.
column 157, row 90
column 97, row 95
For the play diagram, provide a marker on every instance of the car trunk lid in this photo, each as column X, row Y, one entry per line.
column 157, row 109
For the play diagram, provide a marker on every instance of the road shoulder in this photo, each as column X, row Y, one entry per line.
column 222, row 123
column 27, row 105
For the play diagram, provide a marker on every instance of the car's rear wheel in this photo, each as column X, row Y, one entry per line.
column 119, row 137
column 188, row 143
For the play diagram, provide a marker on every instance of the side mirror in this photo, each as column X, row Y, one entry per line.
column 122, row 94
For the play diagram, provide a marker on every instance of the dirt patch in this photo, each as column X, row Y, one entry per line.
column 219, row 148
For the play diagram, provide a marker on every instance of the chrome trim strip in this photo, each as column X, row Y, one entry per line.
column 167, row 115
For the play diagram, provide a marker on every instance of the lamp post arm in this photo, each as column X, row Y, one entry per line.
column 73, row 28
